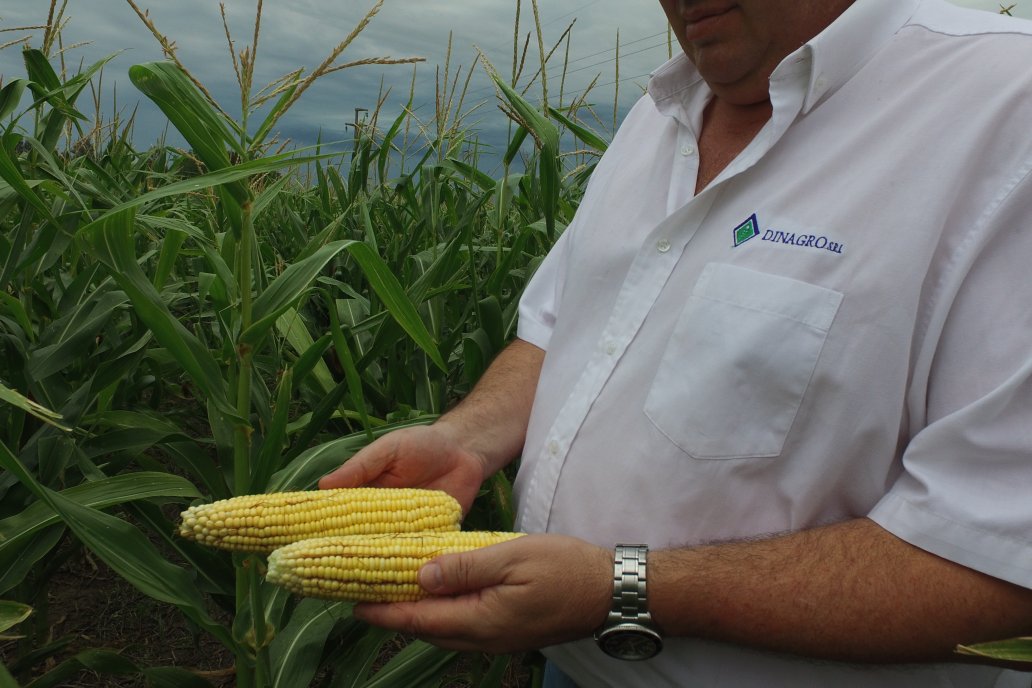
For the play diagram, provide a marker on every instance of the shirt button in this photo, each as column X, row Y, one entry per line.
column 610, row 348
column 687, row 150
column 553, row 447
column 663, row 246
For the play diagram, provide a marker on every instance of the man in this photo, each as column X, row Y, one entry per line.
column 787, row 345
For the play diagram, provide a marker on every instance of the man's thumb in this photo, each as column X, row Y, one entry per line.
column 455, row 574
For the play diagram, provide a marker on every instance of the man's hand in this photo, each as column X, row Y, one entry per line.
column 426, row 457
column 532, row 592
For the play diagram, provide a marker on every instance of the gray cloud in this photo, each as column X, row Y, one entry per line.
column 302, row 32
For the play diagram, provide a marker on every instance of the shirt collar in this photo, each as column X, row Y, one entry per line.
column 821, row 66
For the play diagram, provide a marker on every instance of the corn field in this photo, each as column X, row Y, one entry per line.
column 180, row 325
column 183, row 325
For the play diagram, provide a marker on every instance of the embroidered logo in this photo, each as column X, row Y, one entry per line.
column 747, row 230
column 751, row 229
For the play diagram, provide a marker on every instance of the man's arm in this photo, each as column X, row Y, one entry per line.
column 491, row 421
column 466, row 445
column 848, row 592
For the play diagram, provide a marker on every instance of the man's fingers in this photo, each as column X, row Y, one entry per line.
column 466, row 572
column 445, row 622
column 361, row 469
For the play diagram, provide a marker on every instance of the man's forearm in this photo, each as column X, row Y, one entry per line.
column 492, row 420
column 849, row 592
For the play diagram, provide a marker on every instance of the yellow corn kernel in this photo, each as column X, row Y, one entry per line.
column 263, row 522
column 378, row 568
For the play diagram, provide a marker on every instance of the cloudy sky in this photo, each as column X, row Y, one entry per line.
column 299, row 33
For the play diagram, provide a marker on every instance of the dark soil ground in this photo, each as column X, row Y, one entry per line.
column 95, row 609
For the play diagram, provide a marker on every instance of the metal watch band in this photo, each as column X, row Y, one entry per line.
column 628, row 633
column 630, row 599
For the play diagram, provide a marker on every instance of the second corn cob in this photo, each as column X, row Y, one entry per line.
column 380, row 568
column 263, row 522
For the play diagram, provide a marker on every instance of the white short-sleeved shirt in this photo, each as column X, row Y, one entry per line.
column 839, row 326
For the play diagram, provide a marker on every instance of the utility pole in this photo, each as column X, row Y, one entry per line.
column 357, row 123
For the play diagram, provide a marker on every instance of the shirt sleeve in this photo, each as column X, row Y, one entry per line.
column 965, row 492
column 539, row 303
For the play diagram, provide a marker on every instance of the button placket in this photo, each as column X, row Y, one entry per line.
column 684, row 172
column 641, row 287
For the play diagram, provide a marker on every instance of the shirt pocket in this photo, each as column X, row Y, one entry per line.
column 740, row 358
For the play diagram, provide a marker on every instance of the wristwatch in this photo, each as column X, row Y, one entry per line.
column 628, row 632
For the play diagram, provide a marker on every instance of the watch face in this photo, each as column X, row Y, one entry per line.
column 632, row 643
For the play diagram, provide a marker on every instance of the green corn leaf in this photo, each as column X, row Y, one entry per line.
column 490, row 311
column 583, row 134
column 192, row 115
column 166, row 261
column 6, row 680
column 387, row 144
column 303, row 472
column 477, row 353
column 297, row 279
column 546, row 135
column 395, row 300
column 309, row 364
column 14, row 398
column 111, row 241
column 99, row 494
column 72, row 334
column 275, row 435
column 129, row 431
column 297, row 649
column 1015, row 651
column 214, row 572
column 192, row 185
column 111, row 663
column 347, row 361
column 269, row 194
column 28, row 536
column 16, row 564
column 47, row 85
column 10, row 97
column 287, row 289
column 515, row 143
column 270, row 118
column 39, row 71
column 418, row 664
column 10, row 173
column 495, row 675
column 355, row 664
column 481, row 179
column 199, row 465
column 308, row 427
column 12, row 614
column 125, row 549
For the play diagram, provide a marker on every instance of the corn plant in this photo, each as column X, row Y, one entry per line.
column 211, row 322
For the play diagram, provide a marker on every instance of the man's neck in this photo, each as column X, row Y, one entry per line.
column 727, row 129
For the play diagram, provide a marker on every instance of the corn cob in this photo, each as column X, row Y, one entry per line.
column 263, row 522
column 380, row 568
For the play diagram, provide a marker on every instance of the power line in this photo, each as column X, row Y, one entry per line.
column 575, row 11
column 622, row 45
column 490, row 87
column 622, row 56
column 611, row 60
